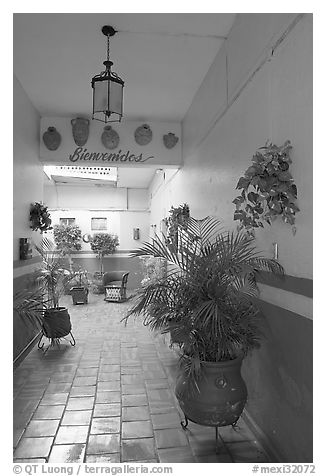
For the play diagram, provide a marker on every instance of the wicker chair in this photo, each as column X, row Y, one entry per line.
column 115, row 285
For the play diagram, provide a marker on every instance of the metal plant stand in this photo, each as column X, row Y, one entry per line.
column 71, row 340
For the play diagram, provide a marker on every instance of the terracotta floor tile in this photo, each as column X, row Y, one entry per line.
column 107, row 410
column 80, row 403
column 58, row 388
column 77, row 417
column 29, row 460
column 105, row 458
column 71, row 435
column 134, row 400
column 135, row 413
column 214, row 458
column 87, row 372
column 131, row 370
column 109, row 368
column 84, row 381
column 87, row 391
column 170, row 438
column 138, row 449
column 49, row 412
column 67, row 453
column 99, row 444
column 108, row 376
column 161, row 407
column 41, row 428
column 108, row 397
column 153, row 384
column 160, row 395
column 246, row 452
column 137, row 429
column 133, row 389
column 109, row 386
column 33, row 447
column 105, row 425
column 240, row 433
column 62, row 377
column 182, row 454
column 132, row 379
column 54, row 399
column 166, row 420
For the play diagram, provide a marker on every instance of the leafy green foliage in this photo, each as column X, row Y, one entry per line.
column 178, row 218
column 267, row 189
column 207, row 296
column 39, row 217
column 67, row 238
column 103, row 244
column 52, row 277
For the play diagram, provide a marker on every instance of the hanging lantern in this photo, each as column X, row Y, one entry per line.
column 107, row 88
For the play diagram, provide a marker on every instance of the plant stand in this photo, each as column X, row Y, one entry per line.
column 79, row 295
column 72, row 340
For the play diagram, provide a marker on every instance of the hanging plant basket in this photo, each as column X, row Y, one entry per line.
column 267, row 189
column 40, row 217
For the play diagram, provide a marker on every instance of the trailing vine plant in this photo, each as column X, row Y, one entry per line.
column 267, row 189
column 39, row 217
column 178, row 218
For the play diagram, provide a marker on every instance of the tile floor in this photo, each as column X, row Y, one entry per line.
column 110, row 399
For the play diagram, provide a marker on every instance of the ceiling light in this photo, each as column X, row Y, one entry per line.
column 107, row 88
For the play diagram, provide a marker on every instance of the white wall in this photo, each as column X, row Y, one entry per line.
column 27, row 170
column 276, row 104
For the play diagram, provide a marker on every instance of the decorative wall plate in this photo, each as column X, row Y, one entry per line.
column 170, row 140
column 110, row 138
column 52, row 138
column 143, row 134
column 80, row 130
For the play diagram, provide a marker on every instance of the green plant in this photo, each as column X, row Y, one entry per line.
column 178, row 218
column 52, row 277
column 153, row 268
column 67, row 239
column 207, row 296
column 103, row 244
column 268, row 189
column 39, row 217
column 80, row 277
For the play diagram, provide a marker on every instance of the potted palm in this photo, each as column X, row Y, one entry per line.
column 207, row 298
column 40, row 304
column 79, row 292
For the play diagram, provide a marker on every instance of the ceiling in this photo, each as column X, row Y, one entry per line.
column 162, row 57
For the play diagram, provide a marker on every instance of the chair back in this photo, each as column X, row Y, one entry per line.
column 110, row 276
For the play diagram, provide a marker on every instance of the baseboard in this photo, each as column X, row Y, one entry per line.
column 21, row 356
column 272, row 453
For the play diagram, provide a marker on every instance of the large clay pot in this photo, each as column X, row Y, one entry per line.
column 110, row 138
column 52, row 138
column 56, row 323
column 143, row 134
column 80, row 130
column 79, row 294
column 221, row 397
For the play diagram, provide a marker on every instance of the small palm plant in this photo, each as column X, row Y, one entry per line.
column 207, row 297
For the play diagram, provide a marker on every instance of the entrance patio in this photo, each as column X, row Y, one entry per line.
column 110, row 399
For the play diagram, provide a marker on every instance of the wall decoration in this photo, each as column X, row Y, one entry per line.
column 80, row 130
column 110, row 138
column 170, row 140
column 268, row 189
column 143, row 134
column 52, row 138
column 40, row 217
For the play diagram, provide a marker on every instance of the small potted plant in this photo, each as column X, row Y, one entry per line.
column 79, row 291
column 39, row 305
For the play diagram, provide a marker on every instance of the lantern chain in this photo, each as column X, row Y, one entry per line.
column 108, row 47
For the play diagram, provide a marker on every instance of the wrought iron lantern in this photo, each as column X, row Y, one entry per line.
column 107, row 88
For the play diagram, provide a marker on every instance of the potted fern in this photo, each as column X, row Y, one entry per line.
column 207, row 299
